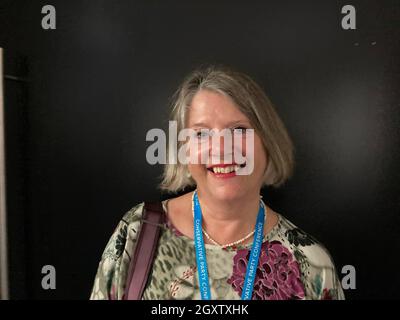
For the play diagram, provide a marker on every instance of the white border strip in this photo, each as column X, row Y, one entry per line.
column 3, row 217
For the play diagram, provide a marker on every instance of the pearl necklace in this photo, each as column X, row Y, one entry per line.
column 231, row 244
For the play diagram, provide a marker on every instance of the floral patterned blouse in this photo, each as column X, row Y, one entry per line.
column 292, row 265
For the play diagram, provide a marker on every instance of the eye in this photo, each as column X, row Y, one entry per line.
column 239, row 130
column 202, row 134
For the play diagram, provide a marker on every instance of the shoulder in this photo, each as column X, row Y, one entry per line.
column 114, row 264
column 319, row 275
column 126, row 230
column 298, row 239
column 134, row 214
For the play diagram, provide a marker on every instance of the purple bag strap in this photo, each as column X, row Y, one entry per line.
column 142, row 260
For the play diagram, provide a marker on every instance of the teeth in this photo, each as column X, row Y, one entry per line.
column 225, row 169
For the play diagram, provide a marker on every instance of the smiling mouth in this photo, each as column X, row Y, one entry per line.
column 225, row 169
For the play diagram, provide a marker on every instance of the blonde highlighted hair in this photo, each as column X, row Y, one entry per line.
column 251, row 100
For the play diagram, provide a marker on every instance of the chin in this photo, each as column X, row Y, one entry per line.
column 226, row 192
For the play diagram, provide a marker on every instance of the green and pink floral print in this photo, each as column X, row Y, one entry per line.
column 292, row 266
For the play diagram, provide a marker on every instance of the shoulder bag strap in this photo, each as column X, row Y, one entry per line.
column 142, row 260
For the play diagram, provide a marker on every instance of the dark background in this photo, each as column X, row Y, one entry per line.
column 91, row 89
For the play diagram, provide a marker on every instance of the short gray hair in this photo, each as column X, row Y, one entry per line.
column 251, row 100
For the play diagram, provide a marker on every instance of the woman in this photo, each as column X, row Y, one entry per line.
column 224, row 222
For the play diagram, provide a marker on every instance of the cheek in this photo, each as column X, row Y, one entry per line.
column 197, row 171
column 197, row 153
column 256, row 152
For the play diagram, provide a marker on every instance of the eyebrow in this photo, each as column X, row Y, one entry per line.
column 230, row 124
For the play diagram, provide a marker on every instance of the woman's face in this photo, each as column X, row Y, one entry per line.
column 211, row 110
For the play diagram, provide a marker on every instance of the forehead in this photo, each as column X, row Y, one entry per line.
column 213, row 109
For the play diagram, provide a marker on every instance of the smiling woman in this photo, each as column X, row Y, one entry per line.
column 248, row 251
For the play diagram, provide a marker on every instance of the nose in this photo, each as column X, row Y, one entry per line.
column 221, row 148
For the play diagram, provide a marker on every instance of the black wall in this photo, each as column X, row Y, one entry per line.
column 93, row 87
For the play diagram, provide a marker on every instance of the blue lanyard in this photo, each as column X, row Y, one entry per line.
column 201, row 260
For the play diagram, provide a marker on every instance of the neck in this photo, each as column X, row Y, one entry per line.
column 228, row 221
